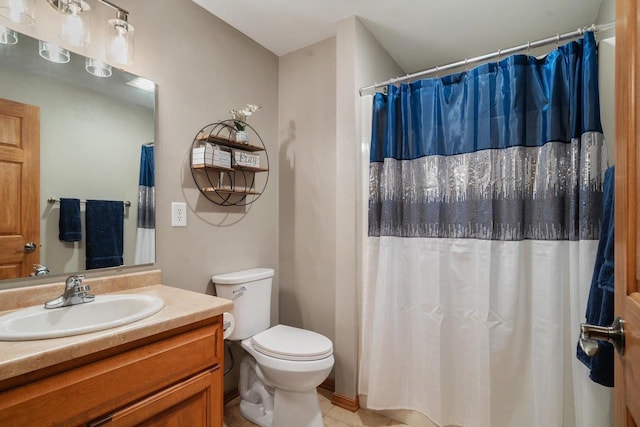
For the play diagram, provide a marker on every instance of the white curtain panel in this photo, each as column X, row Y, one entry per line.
column 478, row 332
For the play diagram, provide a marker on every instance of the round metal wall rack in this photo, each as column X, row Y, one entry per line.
column 227, row 170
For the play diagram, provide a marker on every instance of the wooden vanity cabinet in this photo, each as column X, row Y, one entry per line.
column 171, row 379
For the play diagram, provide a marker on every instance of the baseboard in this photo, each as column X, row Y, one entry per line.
column 344, row 402
column 340, row 400
column 229, row 395
column 328, row 384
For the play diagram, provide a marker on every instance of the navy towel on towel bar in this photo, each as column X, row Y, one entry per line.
column 69, row 224
column 105, row 226
column 601, row 293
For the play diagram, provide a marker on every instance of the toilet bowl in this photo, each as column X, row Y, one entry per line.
column 283, row 365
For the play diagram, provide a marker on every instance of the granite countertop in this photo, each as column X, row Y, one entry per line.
column 181, row 308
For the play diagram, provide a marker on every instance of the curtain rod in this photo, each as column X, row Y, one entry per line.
column 500, row 52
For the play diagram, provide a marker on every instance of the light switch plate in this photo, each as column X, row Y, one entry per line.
column 178, row 214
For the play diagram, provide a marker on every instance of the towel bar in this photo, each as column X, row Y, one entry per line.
column 53, row 201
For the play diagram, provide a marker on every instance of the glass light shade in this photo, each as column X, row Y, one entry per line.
column 18, row 11
column 8, row 36
column 120, row 48
column 74, row 28
column 53, row 53
column 97, row 68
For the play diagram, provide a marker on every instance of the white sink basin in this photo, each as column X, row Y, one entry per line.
column 105, row 312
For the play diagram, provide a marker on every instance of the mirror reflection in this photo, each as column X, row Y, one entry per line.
column 87, row 139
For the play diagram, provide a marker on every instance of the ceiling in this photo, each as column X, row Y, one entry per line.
column 418, row 34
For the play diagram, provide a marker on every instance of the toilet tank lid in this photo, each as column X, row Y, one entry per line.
column 243, row 276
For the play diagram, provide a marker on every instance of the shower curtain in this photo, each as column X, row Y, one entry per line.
column 485, row 198
column 146, row 228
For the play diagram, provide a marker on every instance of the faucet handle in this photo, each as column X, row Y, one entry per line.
column 74, row 280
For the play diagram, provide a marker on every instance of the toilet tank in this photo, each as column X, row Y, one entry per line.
column 250, row 291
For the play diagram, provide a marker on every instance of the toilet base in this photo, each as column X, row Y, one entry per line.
column 295, row 409
column 290, row 410
column 255, row 413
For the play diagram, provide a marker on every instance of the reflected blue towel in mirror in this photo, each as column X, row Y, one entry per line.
column 105, row 226
column 69, row 224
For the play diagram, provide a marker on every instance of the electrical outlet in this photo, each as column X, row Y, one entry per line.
column 178, row 214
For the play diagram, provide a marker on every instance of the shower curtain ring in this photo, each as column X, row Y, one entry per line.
column 466, row 67
column 528, row 48
column 499, row 54
column 437, row 71
column 558, row 40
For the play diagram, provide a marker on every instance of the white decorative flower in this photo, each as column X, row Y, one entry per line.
column 240, row 116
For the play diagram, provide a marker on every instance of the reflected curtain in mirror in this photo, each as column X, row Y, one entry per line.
column 145, row 232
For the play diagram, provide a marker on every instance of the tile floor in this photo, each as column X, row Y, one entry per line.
column 332, row 415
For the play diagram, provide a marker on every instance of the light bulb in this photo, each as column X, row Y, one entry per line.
column 97, row 68
column 19, row 11
column 16, row 8
column 53, row 53
column 118, row 49
column 74, row 31
column 8, row 36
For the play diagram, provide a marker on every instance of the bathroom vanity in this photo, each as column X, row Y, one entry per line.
column 162, row 370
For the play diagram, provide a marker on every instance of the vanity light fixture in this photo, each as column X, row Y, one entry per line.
column 75, row 31
column 142, row 83
column 18, row 11
column 8, row 36
column 97, row 68
column 53, row 53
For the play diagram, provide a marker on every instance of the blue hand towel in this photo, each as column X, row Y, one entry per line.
column 105, row 224
column 69, row 225
column 601, row 293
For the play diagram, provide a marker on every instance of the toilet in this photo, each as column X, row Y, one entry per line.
column 284, row 365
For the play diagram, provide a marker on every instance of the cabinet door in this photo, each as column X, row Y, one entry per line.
column 73, row 397
column 195, row 402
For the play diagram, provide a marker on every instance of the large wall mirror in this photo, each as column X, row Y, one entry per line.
column 93, row 131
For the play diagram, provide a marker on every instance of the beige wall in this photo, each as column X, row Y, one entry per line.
column 606, row 75
column 203, row 69
column 307, row 158
column 320, row 166
column 320, row 157
column 361, row 60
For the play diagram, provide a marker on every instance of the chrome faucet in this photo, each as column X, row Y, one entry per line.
column 74, row 293
column 40, row 270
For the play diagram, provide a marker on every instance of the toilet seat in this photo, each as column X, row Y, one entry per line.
column 289, row 343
